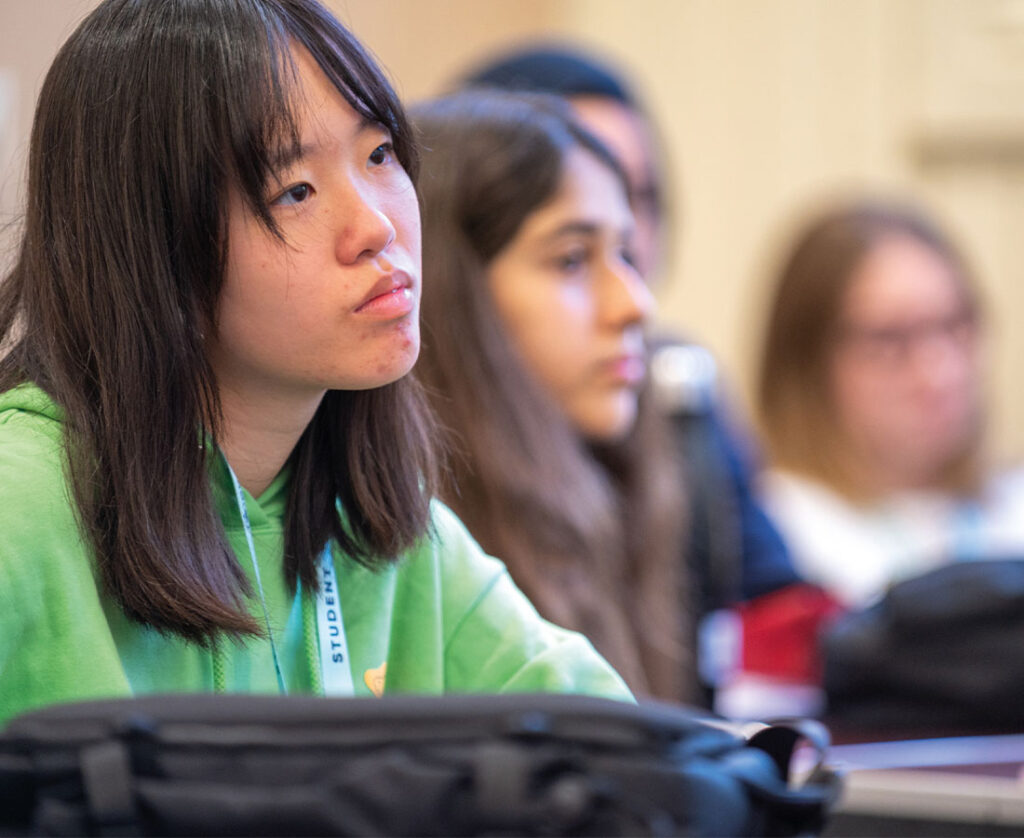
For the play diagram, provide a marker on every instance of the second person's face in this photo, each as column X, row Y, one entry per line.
column 572, row 302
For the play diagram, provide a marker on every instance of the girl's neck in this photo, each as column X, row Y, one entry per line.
column 259, row 435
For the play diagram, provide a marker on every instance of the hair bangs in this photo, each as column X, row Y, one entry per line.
column 353, row 71
column 262, row 119
column 264, row 126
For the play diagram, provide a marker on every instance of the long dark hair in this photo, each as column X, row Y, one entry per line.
column 150, row 111
column 590, row 532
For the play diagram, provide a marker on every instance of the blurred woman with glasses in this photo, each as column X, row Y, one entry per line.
column 871, row 399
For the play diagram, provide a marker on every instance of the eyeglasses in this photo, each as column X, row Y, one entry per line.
column 897, row 343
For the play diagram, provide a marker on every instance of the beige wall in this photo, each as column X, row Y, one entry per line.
column 764, row 105
column 30, row 33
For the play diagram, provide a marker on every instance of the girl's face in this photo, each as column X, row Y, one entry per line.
column 905, row 373
column 336, row 305
column 572, row 302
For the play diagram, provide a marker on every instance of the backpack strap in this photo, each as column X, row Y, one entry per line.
column 779, row 739
column 107, row 782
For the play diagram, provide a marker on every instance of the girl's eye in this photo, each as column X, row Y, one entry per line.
column 571, row 261
column 381, row 154
column 293, row 195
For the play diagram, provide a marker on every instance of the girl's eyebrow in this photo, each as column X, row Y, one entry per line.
column 582, row 227
column 292, row 154
column 572, row 228
column 297, row 152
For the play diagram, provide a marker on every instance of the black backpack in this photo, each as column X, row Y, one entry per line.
column 941, row 652
column 405, row 765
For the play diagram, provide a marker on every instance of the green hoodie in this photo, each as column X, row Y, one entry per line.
column 446, row 618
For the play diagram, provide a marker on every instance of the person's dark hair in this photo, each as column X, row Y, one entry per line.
column 576, row 74
column 591, row 533
column 804, row 323
column 557, row 69
column 150, row 111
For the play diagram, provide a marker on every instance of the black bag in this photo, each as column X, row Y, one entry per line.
column 939, row 652
column 452, row 765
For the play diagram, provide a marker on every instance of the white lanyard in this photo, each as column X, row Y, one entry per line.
column 967, row 531
column 335, row 671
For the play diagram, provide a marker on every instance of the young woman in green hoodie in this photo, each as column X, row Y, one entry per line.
column 215, row 472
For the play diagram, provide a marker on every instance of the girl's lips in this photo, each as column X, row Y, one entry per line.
column 628, row 369
column 397, row 302
column 391, row 296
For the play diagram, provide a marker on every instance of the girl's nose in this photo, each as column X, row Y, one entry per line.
column 364, row 230
column 627, row 298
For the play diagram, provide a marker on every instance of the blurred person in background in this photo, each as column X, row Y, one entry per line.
column 534, row 359
column 871, row 398
column 735, row 552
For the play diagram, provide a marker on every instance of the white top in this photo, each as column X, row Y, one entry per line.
column 856, row 551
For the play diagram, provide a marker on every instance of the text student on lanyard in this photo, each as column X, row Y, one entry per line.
column 335, row 669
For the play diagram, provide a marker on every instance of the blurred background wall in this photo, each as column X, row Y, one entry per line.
column 764, row 108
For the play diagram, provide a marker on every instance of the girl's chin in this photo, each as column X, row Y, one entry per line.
column 611, row 425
